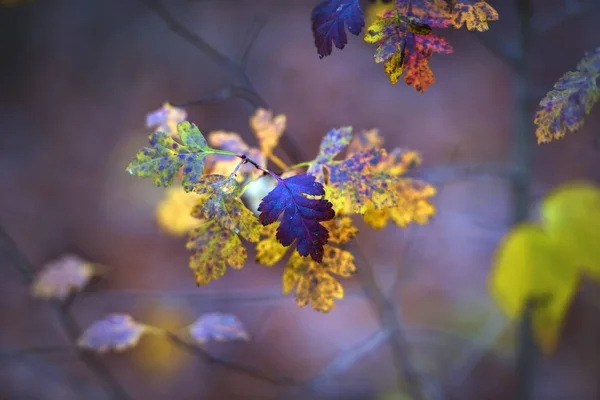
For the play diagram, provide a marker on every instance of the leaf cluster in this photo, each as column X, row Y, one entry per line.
column 402, row 32
column 309, row 206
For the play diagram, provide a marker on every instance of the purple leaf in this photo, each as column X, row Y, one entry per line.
column 116, row 331
column 219, row 327
column 328, row 20
column 301, row 215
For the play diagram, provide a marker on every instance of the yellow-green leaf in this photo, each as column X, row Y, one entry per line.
column 528, row 265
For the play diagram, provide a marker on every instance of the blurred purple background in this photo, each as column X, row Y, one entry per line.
column 76, row 81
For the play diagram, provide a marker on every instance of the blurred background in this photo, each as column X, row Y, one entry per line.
column 77, row 79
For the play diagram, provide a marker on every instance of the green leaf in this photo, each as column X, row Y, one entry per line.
column 166, row 157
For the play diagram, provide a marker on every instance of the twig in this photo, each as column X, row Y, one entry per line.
column 523, row 144
column 109, row 382
column 242, row 369
column 345, row 359
column 419, row 386
column 259, row 24
column 527, row 353
column 234, row 70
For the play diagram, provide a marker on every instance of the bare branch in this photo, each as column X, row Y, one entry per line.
column 258, row 25
column 245, row 90
column 242, row 369
column 420, row 386
column 345, row 359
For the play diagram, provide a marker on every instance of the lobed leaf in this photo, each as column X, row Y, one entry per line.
column 166, row 119
column 163, row 160
column 564, row 108
column 405, row 45
column 214, row 248
column 267, row 129
column 173, row 212
column 269, row 251
column 331, row 145
column 217, row 326
column 300, row 215
column 329, row 19
column 220, row 202
column 474, row 14
column 413, row 205
column 116, row 332
column 313, row 281
column 62, row 277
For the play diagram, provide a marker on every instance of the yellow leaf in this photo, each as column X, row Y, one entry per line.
column 341, row 230
column 413, row 206
column 528, row 266
column 268, row 129
column 174, row 211
column 269, row 250
column 475, row 14
column 314, row 284
column 571, row 216
column 213, row 249
column 219, row 202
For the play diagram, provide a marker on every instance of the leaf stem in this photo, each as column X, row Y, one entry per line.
column 278, row 162
column 299, row 165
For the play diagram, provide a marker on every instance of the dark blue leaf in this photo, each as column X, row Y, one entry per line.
column 328, row 20
column 301, row 215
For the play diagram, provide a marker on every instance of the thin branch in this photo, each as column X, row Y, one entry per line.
column 242, row 369
column 234, row 70
column 257, row 27
column 345, row 359
column 419, row 386
column 68, row 322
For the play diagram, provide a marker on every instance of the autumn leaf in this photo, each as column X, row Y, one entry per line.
column 564, row 108
column 217, row 326
column 315, row 285
column 334, row 141
column 527, row 266
column 173, row 212
column 116, row 332
column 329, row 19
column 413, row 196
column 313, row 281
column 166, row 157
column 166, row 119
column 300, row 215
column 220, row 202
column 571, row 217
column 62, row 277
column 213, row 249
column 267, row 129
column 474, row 14
column 269, row 251
column 405, row 44
column 413, row 205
